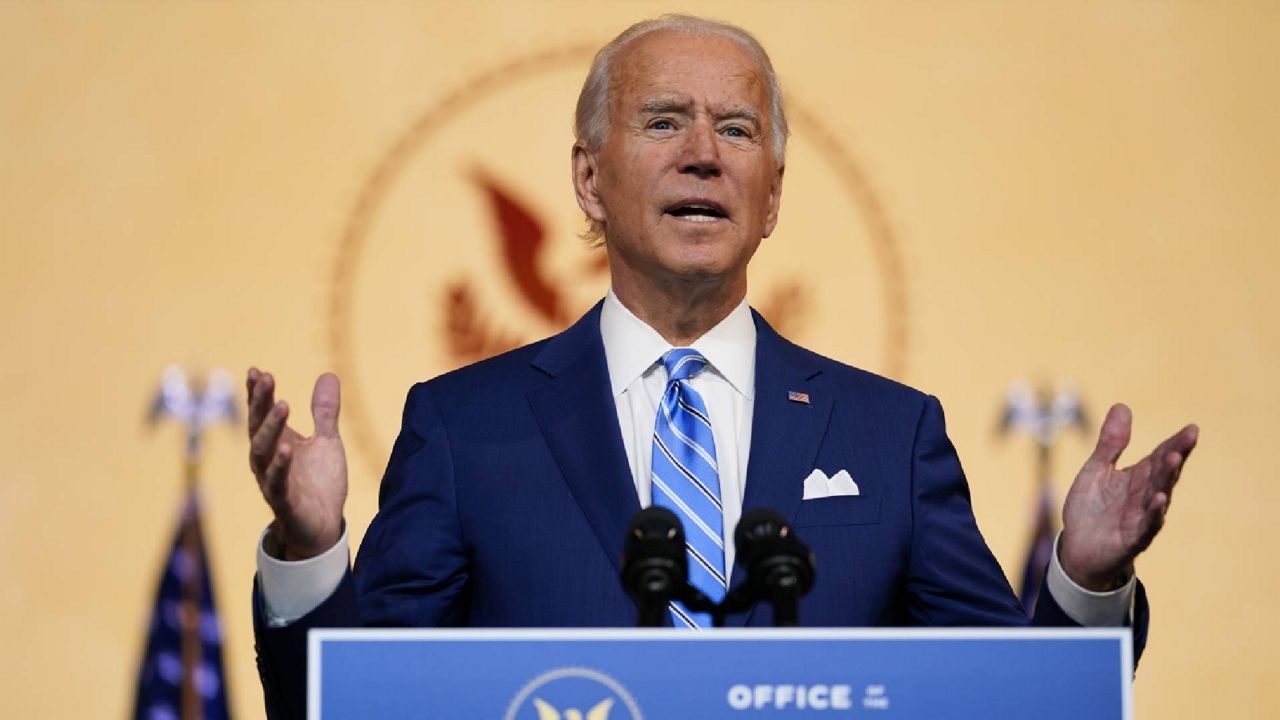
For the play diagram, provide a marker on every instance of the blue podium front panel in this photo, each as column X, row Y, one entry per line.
column 672, row 674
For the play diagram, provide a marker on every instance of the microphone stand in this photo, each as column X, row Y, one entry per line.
column 695, row 600
column 655, row 572
column 740, row 599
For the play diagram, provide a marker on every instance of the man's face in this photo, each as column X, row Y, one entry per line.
column 686, row 183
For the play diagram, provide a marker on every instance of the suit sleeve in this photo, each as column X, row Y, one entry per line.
column 953, row 578
column 411, row 570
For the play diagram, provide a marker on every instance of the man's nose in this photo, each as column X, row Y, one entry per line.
column 701, row 151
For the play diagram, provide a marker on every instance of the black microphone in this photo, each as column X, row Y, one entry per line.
column 655, row 569
column 779, row 566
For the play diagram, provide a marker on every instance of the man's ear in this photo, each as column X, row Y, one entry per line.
column 775, row 202
column 585, row 178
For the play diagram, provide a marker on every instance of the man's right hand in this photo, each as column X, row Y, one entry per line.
column 304, row 480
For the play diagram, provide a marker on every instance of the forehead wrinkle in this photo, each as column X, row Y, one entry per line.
column 639, row 70
column 736, row 112
column 667, row 104
column 682, row 103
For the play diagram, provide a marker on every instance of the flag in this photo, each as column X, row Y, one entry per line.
column 181, row 676
column 1045, row 528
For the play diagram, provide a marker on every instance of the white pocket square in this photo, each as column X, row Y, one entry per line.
column 818, row 485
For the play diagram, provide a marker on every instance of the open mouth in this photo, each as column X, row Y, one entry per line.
column 697, row 211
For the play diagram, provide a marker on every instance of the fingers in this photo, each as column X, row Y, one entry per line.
column 1184, row 441
column 1170, row 457
column 325, row 404
column 263, row 448
column 1152, row 521
column 261, row 390
column 1167, row 473
column 1163, row 474
column 1181, row 442
column 275, row 479
column 1157, row 507
column 1114, row 436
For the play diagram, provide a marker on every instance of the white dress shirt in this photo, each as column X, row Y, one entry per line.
column 633, row 353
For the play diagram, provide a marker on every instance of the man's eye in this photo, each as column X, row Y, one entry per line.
column 736, row 131
column 661, row 125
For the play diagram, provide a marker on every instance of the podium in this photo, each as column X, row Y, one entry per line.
column 668, row 674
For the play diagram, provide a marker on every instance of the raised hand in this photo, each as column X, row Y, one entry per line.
column 303, row 479
column 1111, row 515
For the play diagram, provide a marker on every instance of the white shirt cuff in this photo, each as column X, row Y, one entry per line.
column 1090, row 609
column 290, row 590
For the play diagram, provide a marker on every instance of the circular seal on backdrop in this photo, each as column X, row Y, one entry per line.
column 573, row 693
column 463, row 243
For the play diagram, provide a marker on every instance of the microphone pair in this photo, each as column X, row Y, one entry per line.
column 655, row 567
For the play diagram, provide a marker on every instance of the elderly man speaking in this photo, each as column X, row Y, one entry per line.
column 510, row 486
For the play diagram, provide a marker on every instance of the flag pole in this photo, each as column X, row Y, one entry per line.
column 192, row 650
column 1042, row 415
column 197, row 405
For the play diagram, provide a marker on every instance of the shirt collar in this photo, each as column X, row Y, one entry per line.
column 631, row 347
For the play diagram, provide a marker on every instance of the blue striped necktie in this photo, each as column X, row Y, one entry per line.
column 686, row 479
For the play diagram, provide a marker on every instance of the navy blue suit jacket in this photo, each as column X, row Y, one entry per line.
column 508, row 493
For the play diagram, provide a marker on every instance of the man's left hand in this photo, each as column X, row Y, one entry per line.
column 1111, row 515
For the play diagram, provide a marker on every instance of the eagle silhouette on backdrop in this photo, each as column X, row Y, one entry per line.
column 472, row 334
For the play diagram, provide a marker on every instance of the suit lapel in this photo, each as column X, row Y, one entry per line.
column 579, row 421
column 576, row 413
column 785, row 434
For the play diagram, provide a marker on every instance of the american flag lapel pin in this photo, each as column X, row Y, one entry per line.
column 798, row 397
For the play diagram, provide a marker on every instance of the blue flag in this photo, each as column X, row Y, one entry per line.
column 181, row 676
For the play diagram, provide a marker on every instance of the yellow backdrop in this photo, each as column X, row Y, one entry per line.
column 976, row 192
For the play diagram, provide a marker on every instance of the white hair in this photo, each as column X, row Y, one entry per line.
column 591, row 118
